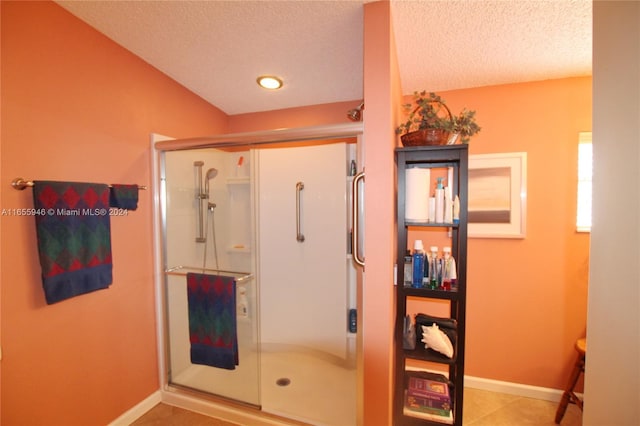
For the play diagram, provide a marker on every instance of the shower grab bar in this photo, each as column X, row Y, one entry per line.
column 299, row 234
column 20, row 184
column 355, row 218
column 180, row 270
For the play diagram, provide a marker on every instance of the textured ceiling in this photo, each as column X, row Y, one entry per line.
column 218, row 48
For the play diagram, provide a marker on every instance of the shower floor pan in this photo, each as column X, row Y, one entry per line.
column 307, row 386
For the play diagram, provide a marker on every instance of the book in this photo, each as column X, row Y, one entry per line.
column 428, row 393
column 448, row 419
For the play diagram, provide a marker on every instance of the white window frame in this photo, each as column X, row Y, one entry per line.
column 585, row 175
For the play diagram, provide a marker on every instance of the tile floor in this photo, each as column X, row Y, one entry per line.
column 482, row 408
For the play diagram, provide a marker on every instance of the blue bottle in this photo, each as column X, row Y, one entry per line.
column 418, row 264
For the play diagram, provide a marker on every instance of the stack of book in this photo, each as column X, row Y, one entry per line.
column 427, row 396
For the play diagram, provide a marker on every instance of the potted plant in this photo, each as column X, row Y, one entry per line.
column 430, row 122
column 463, row 126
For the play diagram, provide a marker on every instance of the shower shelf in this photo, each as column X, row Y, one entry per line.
column 238, row 180
column 183, row 270
column 244, row 249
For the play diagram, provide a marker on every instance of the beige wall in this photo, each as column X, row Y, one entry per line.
column 612, row 383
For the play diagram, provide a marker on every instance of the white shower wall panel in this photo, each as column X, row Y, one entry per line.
column 303, row 285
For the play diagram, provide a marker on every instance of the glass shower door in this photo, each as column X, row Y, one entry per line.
column 228, row 240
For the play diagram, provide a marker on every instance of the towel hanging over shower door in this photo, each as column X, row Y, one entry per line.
column 212, row 320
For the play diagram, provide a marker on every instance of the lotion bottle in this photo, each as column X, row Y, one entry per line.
column 439, row 201
column 456, row 210
column 242, row 308
column 448, row 205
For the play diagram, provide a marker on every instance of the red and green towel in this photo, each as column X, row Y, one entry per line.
column 212, row 320
column 124, row 196
column 74, row 237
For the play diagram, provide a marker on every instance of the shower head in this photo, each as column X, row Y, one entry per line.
column 355, row 114
column 211, row 173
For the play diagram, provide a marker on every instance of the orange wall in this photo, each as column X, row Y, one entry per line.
column 314, row 115
column 382, row 94
column 77, row 107
column 70, row 95
column 527, row 297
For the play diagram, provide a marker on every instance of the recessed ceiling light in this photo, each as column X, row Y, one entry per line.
column 269, row 82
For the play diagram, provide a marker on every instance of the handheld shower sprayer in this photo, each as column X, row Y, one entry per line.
column 211, row 173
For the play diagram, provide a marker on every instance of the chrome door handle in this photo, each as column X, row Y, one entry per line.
column 355, row 218
column 299, row 188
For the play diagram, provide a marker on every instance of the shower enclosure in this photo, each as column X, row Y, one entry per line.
column 277, row 218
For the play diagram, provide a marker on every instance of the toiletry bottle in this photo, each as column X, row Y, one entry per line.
column 432, row 210
column 449, row 273
column 439, row 202
column 433, row 268
column 418, row 264
column 448, row 205
column 456, row 210
column 408, row 269
column 446, row 269
column 427, row 269
column 242, row 309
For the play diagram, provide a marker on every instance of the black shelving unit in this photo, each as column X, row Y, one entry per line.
column 433, row 157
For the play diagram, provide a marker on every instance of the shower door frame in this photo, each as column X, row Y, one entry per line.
column 194, row 400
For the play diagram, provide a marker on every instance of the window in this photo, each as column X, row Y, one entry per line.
column 585, row 172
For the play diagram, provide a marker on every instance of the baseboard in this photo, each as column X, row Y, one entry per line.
column 223, row 411
column 537, row 392
column 138, row 410
column 257, row 418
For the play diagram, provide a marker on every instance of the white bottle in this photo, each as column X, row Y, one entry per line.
column 448, row 205
column 456, row 210
column 242, row 307
column 432, row 210
column 439, row 202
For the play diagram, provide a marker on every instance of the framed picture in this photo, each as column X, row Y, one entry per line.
column 497, row 195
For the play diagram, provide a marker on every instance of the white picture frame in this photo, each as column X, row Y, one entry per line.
column 497, row 197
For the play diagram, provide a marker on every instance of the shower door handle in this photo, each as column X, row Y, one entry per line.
column 299, row 188
column 355, row 218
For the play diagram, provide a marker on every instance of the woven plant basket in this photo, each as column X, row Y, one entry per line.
column 427, row 136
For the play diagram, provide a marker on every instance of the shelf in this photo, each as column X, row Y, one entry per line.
column 433, row 294
column 422, row 354
column 238, row 180
column 239, row 249
column 431, row 224
column 409, row 413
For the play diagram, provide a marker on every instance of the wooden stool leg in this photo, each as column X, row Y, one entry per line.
column 568, row 395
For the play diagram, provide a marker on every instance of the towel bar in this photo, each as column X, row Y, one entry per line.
column 182, row 270
column 20, row 184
